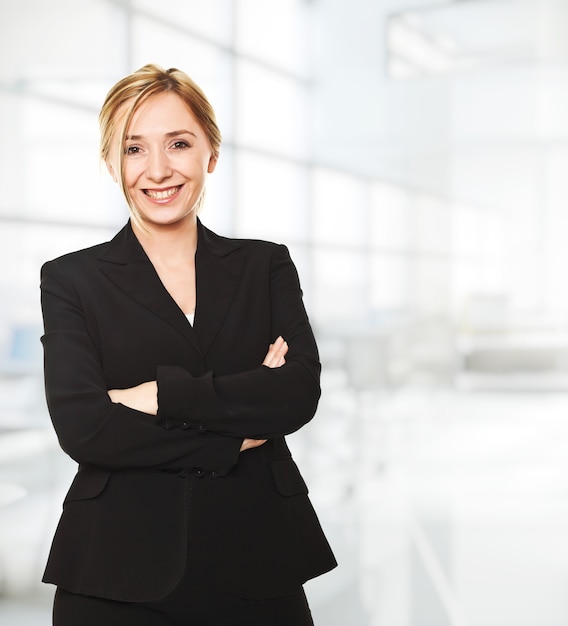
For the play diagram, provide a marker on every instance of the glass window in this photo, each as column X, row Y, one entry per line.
column 466, row 231
column 340, row 285
column 274, row 32
column 66, row 41
column 389, row 282
column 432, row 224
column 63, row 174
column 271, row 198
column 465, row 283
column 271, row 112
column 431, row 287
column 493, row 246
column 555, row 227
column 13, row 154
column 212, row 19
column 390, row 223
column 339, row 208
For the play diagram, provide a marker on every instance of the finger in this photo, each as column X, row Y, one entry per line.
column 281, row 353
column 272, row 350
column 274, row 359
column 280, row 347
column 275, row 353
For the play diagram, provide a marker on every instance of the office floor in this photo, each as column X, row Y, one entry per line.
column 444, row 508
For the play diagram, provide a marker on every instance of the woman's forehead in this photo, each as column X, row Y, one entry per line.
column 161, row 110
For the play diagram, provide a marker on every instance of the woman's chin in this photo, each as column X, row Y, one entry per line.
column 166, row 219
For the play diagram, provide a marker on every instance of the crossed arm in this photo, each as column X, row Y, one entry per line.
column 144, row 397
column 221, row 416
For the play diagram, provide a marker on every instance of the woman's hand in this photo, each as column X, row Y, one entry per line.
column 248, row 444
column 142, row 398
column 276, row 353
column 274, row 358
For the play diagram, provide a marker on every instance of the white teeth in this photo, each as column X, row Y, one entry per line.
column 161, row 195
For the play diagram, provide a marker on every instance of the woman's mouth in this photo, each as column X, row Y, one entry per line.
column 162, row 194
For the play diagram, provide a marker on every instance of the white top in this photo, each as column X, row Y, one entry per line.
column 190, row 317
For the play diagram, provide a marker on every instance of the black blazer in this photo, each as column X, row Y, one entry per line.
column 147, row 486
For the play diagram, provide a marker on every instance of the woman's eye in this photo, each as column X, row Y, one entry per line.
column 180, row 145
column 132, row 150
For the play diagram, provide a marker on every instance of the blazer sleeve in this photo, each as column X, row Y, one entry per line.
column 262, row 403
column 90, row 427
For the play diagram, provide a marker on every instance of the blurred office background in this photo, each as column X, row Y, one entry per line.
column 413, row 154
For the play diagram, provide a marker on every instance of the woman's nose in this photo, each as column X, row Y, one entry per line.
column 158, row 166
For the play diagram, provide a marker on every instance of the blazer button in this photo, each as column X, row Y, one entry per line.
column 168, row 425
column 185, row 425
column 202, row 428
column 214, row 475
column 199, row 473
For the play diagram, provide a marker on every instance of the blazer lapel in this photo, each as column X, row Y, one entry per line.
column 218, row 266
column 129, row 268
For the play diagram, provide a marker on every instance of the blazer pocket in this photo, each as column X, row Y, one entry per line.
column 88, row 483
column 287, row 477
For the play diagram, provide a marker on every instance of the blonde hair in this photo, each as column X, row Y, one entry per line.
column 137, row 88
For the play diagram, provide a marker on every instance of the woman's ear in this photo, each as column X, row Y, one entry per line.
column 212, row 163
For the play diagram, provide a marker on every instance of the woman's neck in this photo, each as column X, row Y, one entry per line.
column 169, row 245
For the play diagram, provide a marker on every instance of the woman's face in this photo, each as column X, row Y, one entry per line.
column 166, row 161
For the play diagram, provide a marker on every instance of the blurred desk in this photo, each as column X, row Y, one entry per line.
column 517, row 359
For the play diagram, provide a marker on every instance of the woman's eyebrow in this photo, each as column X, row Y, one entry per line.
column 172, row 133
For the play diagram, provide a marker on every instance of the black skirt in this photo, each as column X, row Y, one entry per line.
column 192, row 603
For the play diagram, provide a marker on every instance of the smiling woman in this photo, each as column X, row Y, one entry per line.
column 176, row 361
column 127, row 102
column 165, row 169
